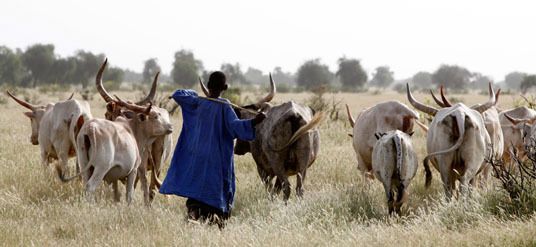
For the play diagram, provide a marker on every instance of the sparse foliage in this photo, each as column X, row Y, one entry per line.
column 186, row 68
column 527, row 82
column 313, row 73
column 422, row 79
column 353, row 77
column 451, row 76
column 513, row 79
column 383, row 77
column 150, row 68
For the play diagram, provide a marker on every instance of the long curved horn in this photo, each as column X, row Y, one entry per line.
column 203, row 88
column 71, row 97
column 438, row 102
column 514, row 120
column 270, row 95
column 445, row 100
column 134, row 107
column 491, row 102
column 350, row 118
column 497, row 96
column 420, row 106
column 151, row 94
column 22, row 102
column 98, row 82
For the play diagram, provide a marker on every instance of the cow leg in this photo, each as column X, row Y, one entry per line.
column 44, row 161
column 142, row 170
column 445, row 168
column 389, row 195
column 300, row 177
column 365, row 171
column 130, row 186
column 94, row 181
column 117, row 194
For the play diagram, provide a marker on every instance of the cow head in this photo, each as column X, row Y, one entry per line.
column 35, row 114
column 149, row 123
column 521, row 129
column 242, row 147
column 113, row 110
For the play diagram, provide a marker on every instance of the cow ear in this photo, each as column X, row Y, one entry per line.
column 142, row 117
column 411, row 134
column 110, row 106
column 377, row 136
column 29, row 114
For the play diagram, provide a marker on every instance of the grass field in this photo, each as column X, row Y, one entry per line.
column 338, row 208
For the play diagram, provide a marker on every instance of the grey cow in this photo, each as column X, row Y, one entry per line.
column 394, row 162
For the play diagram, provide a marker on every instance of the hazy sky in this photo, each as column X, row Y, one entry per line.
column 491, row 37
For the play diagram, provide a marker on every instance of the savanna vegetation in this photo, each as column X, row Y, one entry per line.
column 339, row 208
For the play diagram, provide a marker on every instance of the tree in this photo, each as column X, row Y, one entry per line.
column 513, row 79
column 63, row 71
column 150, row 69
column 383, row 77
column 282, row 77
column 186, row 68
column 233, row 73
column 255, row 76
column 527, row 82
column 312, row 73
column 114, row 74
column 480, row 82
column 351, row 73
column 87, row 65
column 39, row 60
column 451, row 76
column 422, row 79
column 10, row 66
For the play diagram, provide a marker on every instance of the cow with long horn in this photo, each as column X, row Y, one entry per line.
column 161, row 148
column 53, row 129
column 113, row 151
column 381, row 118
column 457, row 142
column 493, row 126
column 516, row 125
column 286, row 143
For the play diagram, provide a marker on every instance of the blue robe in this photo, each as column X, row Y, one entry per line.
column 202, row 166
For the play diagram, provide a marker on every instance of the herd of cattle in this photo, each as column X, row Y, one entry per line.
column 135, row 138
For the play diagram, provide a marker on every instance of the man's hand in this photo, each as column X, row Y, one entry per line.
column 258, row 119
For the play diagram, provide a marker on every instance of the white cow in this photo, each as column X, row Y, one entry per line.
column 457, row 142
column 383, row 117
column 52, row 128
column 161, row 148
column 516, row 131
column 394, row 162
column 113, row 151
column 493, row 126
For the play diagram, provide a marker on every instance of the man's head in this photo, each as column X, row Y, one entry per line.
column 217, row 83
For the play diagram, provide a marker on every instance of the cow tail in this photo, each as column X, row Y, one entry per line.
column 315, row 121
column 460, row 120
column 402, row 194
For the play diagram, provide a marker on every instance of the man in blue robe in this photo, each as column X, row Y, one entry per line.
column 202, row 167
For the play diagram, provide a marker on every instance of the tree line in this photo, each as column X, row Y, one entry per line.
column 40, row 65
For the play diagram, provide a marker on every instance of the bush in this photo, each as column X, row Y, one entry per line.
column 318, row 103
column 283, row 88
column 112, row 85
column 234, row 95
column 518, row 181
column 53, row 88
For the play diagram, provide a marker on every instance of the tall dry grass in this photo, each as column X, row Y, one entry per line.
column 338, row 209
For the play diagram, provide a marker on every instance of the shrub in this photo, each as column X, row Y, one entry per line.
column 53, row 88
column 112, row 85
